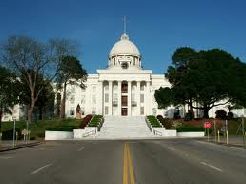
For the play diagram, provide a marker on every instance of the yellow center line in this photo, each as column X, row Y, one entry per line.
column 125, row 166
column 128, row 170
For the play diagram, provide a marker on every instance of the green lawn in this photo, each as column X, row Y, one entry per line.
column 38, row 129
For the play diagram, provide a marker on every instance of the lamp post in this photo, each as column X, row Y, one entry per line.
column 14, row 132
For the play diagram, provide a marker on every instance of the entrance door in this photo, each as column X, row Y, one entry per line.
column 124, row 111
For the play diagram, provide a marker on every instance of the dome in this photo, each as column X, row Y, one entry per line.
column 124, row 46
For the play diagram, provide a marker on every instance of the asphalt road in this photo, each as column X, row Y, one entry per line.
column 166, row 161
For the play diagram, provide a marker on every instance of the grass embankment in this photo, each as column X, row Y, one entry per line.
column 38, row 128
column 96, row 120
column 153, row 121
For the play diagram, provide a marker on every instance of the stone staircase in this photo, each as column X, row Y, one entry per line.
column 124, row 127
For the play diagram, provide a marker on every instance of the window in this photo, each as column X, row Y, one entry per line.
column 142, row 110
column 115, row 99
column 124, row 87
column 106, row 110
column 142, row 86
column 134, row 103
column 106, row 98
column 71, row 112
column 115, row 87
column 142, row 98
column 124, row 100
column 124, row 65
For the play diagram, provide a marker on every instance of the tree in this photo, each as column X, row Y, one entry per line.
column 45, row 100
column 31, row 58
column 8, row 95
column 71, row 72
column 210, row 78
column 166, row 100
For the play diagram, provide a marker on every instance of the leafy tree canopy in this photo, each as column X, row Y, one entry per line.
column 8, row 92
column 71, row 72
column 210, row 78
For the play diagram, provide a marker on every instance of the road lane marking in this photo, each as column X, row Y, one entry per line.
column 80, row 149
column 125, row 166
column 128, row 171
column 41, row 168
column 171, row 148
column 5, row 157
column 211, row 166
column 130, row 166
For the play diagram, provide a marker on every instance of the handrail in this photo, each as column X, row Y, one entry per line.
column 90, row 120
column 156, row 132
column 148, row 124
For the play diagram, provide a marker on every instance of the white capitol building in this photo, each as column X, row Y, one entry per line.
column 124, row 88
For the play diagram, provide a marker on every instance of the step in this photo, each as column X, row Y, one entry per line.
column 124, row 127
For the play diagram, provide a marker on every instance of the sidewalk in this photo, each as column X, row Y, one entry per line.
column 236, row 141
column 8, row 145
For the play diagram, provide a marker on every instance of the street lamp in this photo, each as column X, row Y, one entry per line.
column 14, row 119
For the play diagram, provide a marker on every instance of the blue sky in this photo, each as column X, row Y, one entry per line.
column 157, row 27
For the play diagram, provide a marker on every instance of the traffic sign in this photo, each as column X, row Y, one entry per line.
column 207, row 124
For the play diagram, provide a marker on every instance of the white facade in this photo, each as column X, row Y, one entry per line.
column 123, row 89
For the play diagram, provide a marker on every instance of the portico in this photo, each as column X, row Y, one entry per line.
column 125, row 98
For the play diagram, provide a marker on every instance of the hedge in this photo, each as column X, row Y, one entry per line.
column 153, row 121
column 190, row 129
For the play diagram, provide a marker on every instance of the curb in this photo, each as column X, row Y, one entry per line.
column 223, row 144
column 21, row 146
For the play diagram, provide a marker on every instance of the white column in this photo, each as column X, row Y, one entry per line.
column 129, row 113
column 99, row 98
column 147, row 101
column 119, row 98
column 110, row 108
column 138, row 97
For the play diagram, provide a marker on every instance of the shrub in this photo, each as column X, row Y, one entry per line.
column 177, row 124
column 221, row 114
column 176, row 114
column 190, row 129
column 230, row 115
column 96, row 120
column 167, row 123
column 153, row 121
column 86, row 120
column 8, row 134
column 189, row 115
